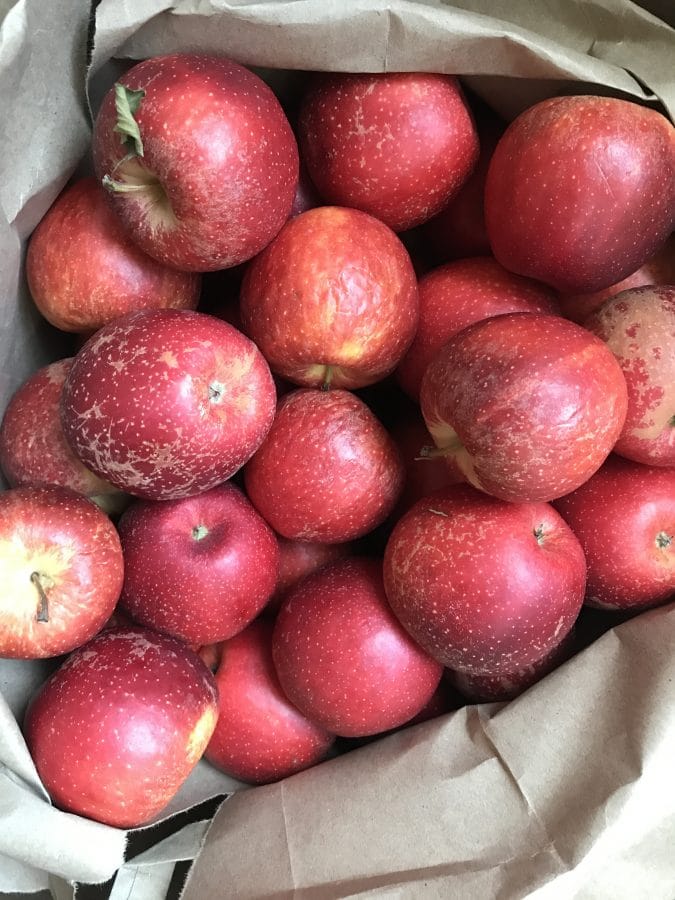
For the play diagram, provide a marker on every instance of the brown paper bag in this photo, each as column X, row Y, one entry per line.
column 567, row 792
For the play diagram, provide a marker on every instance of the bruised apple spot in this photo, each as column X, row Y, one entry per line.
column 201, row 734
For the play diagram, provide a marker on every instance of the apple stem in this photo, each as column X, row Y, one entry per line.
column 43, row 608
column 663, row 540
column 124, row 187
column 327, row 378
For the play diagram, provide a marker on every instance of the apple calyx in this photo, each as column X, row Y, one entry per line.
column 216, row 391
column 431, row 452
column 199, row 532
column 43, row 609
column 539, row 533
column 663, row 540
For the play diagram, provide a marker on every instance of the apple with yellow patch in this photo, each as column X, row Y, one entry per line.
column 61, row 570
column 332, row 301
column 167, row 403
column 131, row 713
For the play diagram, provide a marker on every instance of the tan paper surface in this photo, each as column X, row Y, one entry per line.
column 567, row 792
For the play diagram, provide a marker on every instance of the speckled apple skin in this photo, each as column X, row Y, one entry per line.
column 206, row 588
column 260, row 736
column 33, row 447
column 396, row 145
column 469, row 578
column 455, row 296
column 343, row 658
column 660, row 269
column 217, row 140
column 131, row 713
column 580, row 191
column 639, row 328
column 624, row 517
column 328, row 471
column 335, row 288
column 530, row 405
column 298, row 559
column 138, row 406
column 84, row 271
column 61, row 535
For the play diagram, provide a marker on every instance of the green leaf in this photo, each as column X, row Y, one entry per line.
column 127, row 102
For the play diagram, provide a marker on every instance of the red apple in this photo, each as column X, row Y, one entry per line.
column 306, row 196
column 639, row 328
column 33, row 447
column 199, row 158
column 484, row 586
column 167, row 403
column 327, row 471
column 84, row 271
column 660, row 269
column 624, row 517
column 458, row 230
column 260, row 736
column 508, row 686
column 298, row 559
column 200, row 568
column 61, row 571
column 396, row 145
column 343, row 659
column 131, row 713
column 528, row 405
column 455, row 296
column 581, row 191
column 332, row 300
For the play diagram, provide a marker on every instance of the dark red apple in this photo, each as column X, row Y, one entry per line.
column 484, row 586
column 639, row 328
column 33, row 447
column 528, row 405
column 660, row 269
column 298, row 559
column 455, row 296
column 167, row 403
column 199, row 159
column 260, row 736
column 200, row 568
column 396, row 145
column 130, row 714
column 458, row 231
column 332, row 300
column 624, row 517
column 343, row 659
column 328, row 471
column 508, row 686
column 306, row 196
column 581, row 191
column 61, row 571
column 84, row 271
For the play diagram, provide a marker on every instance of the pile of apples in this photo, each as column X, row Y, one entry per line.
column 377, row 463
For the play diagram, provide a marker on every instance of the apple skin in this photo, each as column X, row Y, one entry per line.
column 298, row 559
column 55, row 536
column 33, row 447
column 456, row 295
column 84, row 271
column 306, row 196
column 200, row 568
column 458, row 231
column 328, row 471
column 624, row 517
column 484, row 586
column 660, row 269
column 343, row 659
column 167, row 403
column 335, row 288
column 529, row 405
column 260, row 736
column 396, row 145
column 638, row 326
column 220, row 163
column 131, row 713
column 580, row 191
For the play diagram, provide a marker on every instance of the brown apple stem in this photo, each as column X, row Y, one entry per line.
column 43, row 608
column 327, row 378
